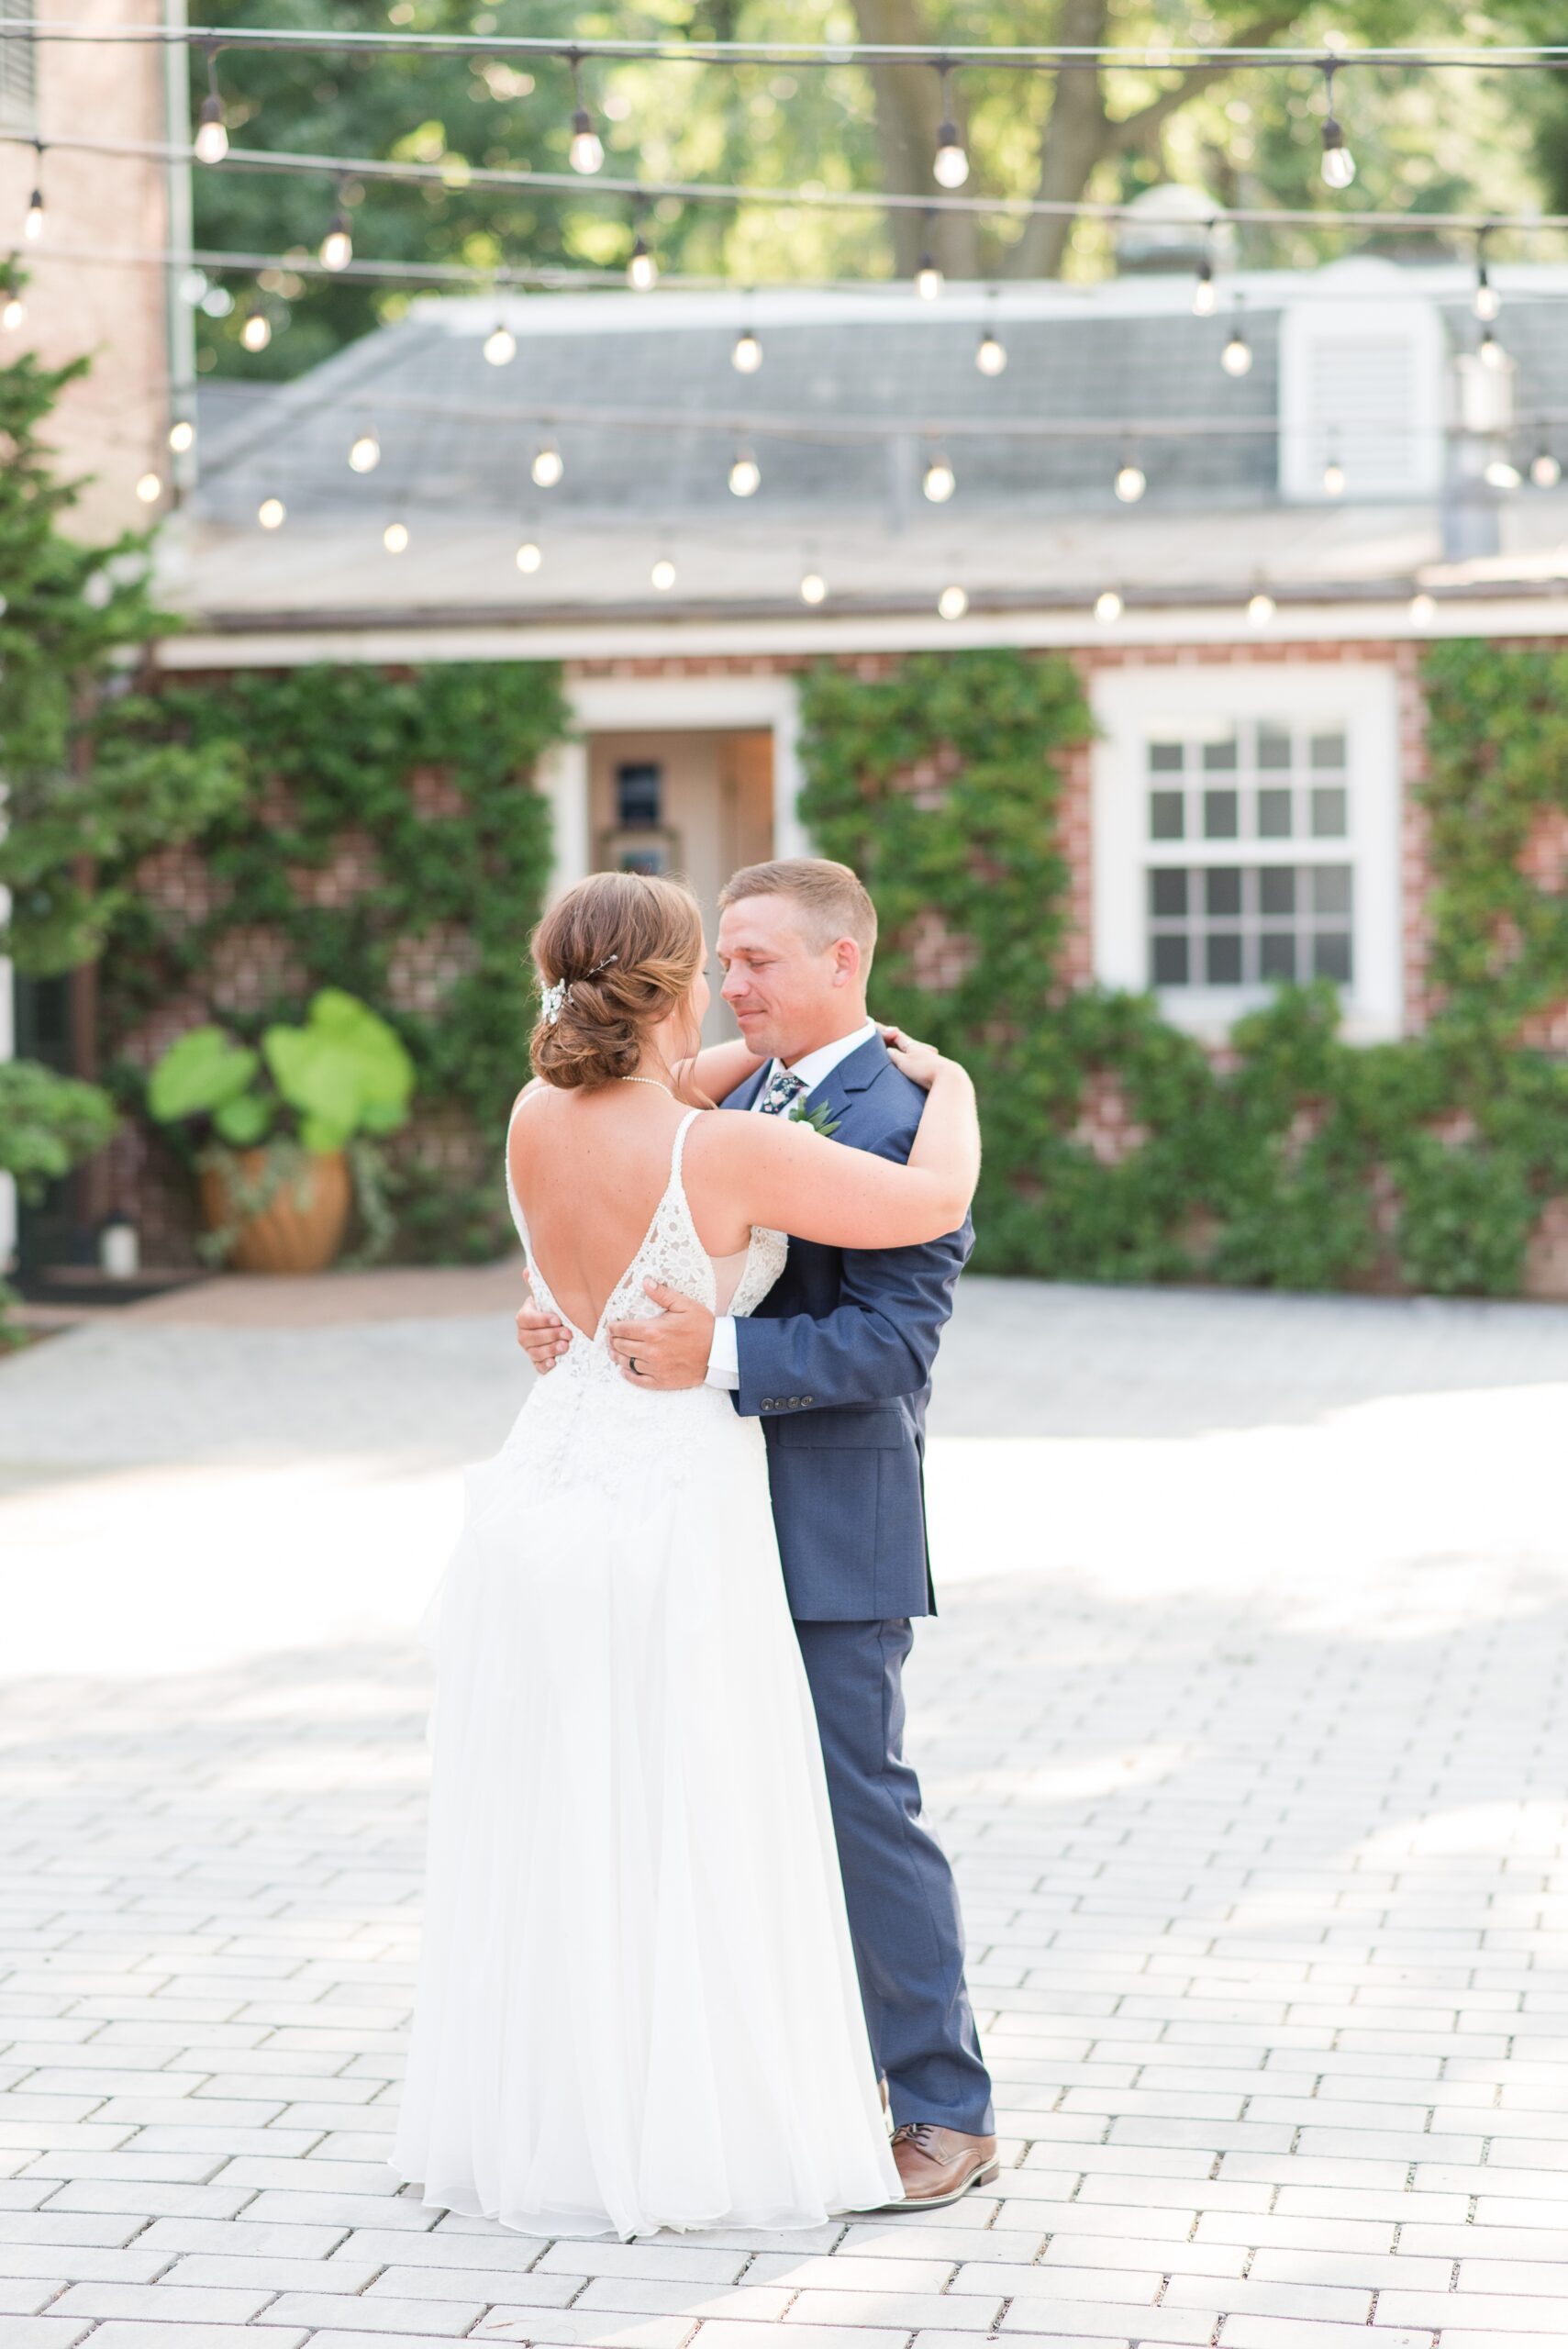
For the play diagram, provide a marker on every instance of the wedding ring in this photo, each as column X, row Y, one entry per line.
column 635, row 1371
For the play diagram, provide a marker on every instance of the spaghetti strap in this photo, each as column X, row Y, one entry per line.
column 678, row 1147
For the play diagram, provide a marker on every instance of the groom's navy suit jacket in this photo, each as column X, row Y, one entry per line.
column 836, row 1365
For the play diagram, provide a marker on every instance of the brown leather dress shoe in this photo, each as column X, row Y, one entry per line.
column 939, row 2164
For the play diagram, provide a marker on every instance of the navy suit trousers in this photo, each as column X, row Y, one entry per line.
column 902, row 1901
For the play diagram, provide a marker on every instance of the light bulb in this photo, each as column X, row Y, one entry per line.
column 587, row 149
column 662, row 574
column 1203, row 291
column 1546, row 471
column 1237, row 356
column 952, row 603
column 500, row 346
column 150, row 489
column 212, row 139
column 1500, row 474
column 1422, row 609
column 813, row 587
column 938, row 481
column 528, row 557
column 1261, row 610
column 641, row 270
column 1130, row 484
column 1491, row 350
column 990, row 357
column 1338, row 164
column 950, row 164
column 1108, row 608
column 257, row 331
column 745, row 476
column 548, row 467
column 1333, row 478
column 395, row 538
column 747, row 355
column 270, row 512
column 1485, row 301
column 13, row 312
column 337, row 245
column 181, row 435
column 927, row 279
column 365, row 454
column 32, row 227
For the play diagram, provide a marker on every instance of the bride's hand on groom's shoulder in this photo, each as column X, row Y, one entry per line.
column 919, row 1062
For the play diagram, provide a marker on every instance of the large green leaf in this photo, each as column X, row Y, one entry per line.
column 203, row 1072
column 345, row 1071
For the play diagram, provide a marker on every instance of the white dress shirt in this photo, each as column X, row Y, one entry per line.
column 724, row 1354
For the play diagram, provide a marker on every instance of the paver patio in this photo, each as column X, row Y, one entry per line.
column 1243, row 1719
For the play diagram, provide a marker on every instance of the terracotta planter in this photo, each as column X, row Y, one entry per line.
column 285, row 1237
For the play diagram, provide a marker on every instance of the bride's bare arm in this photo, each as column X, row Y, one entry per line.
column 779, row 1172
column 715, row 1072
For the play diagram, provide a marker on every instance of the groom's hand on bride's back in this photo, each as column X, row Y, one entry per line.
column 668, row 1351
column 543, row 1336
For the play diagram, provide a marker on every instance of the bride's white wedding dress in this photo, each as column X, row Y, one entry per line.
column 637, row 2004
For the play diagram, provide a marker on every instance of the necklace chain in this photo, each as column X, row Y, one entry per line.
column 654, row 1080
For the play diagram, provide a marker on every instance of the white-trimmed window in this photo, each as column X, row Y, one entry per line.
column 19, row 94
column 1245, row 824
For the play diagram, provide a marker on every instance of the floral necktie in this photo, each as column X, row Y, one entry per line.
column 783, row 1087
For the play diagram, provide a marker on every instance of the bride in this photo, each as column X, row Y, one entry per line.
column 637, row 2004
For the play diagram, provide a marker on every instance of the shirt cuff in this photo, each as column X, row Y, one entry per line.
column 724, row 1355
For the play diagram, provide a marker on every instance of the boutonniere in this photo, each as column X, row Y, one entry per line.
column 821, row 1120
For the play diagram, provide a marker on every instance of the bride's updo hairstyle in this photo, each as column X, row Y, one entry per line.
column 615, row 956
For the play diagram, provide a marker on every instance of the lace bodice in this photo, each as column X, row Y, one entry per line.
column 670, row 1254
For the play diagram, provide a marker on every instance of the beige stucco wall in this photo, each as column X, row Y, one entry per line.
column 114, row 424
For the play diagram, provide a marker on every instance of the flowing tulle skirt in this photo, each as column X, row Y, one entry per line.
column 637, row 2004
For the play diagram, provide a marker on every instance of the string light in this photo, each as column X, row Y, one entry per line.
column 990, row 357
column 949, row 165
column 1501, row 475
column 338, row 245
column 938, row 480
column 1338, row 164
column 1422, row 610
column 500, row 345
column 257, row 331
column 364, row 454
column 586, row 152
column 1130, row 482
column 527, row 557
column 150, row 488
column 641, row 270
column 32, row 227
column 1333, row 477
column 952, row 603
column 1485, row 301
column 395, row 538
column 270, row 513
column 212, row 139
column 181, row 435
column 1108, row 608
column 813, row 588
column 1203, row 289
column 12, row 309
column 548, row 467
column 746, row 356
column 928, row 276
column 745, row 474
column 663, row 574
column 1237, row 356
column 1490, row 350
column 1545, row 469
column 1260, row 610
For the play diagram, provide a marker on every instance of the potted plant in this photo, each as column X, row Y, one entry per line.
column 290, row 1132
column 48, row 1125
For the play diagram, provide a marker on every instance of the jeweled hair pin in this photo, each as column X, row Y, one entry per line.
column 553, row 998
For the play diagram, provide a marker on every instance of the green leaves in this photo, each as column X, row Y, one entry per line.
column 49, row 1123
column 344, row 1073
column 201, row 1072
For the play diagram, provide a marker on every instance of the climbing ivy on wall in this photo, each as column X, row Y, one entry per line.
column 1295, row 1160
column 330, row 756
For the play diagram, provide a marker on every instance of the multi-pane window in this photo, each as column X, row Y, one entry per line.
column 19, row 96
column 1249, row 872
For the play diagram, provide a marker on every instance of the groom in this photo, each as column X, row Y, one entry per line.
column 836, row 1364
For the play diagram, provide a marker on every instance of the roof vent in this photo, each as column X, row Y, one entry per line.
column 1170, row 227
column 1361, row 388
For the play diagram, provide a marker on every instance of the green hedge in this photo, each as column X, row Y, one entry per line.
column 1305, row 1162
column 343, row 743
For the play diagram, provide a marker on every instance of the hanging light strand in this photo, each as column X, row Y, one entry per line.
column 212, row 137
column 586, row 153
column 949, row 165
column 1338, row 164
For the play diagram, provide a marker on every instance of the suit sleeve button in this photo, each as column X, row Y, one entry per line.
column 808, row 1399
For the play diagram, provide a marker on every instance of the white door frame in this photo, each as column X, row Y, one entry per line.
column 670, row 704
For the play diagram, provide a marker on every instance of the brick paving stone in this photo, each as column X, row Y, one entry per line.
column 1238, row 1721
